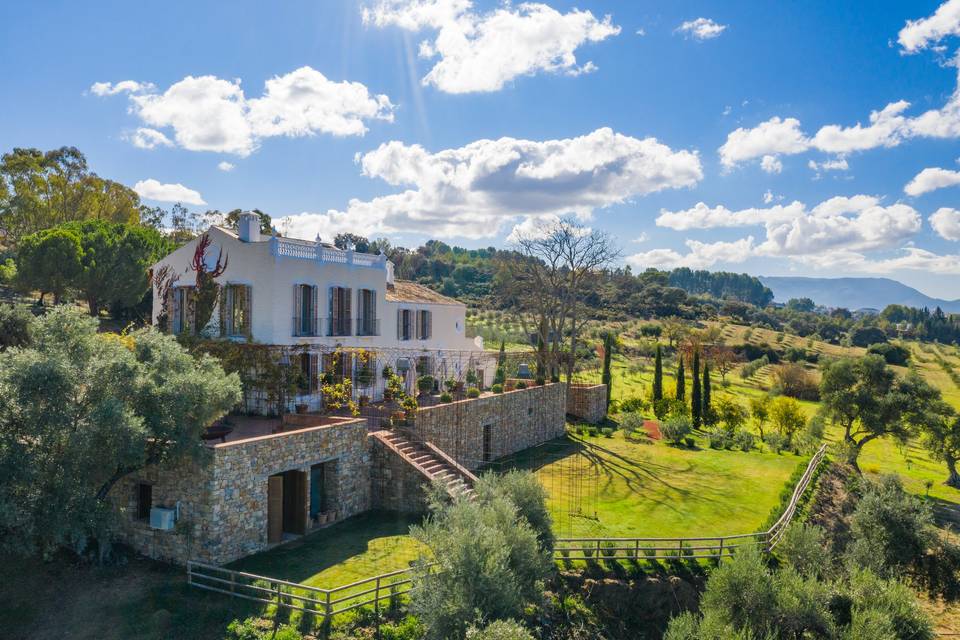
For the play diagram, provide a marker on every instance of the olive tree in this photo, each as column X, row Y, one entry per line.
column 80, row 410
column 868, row 401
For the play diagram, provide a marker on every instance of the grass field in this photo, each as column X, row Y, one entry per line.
column 612, row 487
column 357, row 548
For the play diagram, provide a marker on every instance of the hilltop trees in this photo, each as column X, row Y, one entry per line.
column 79, row 411
column 46, row 189
column 868, row 400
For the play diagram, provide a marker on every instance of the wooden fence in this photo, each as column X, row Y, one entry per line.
column 385, row 588
column 390, row 587
column 711, row 547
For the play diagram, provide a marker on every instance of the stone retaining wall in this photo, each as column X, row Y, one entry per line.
column 223, row 501
column 588, row 402
column 517, row 420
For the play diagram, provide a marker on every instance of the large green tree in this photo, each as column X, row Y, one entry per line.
column 80, row 410
column 681, row 392
column 115, row 262
column 39, row 190
column 49, row 261
column 869, row 401
column 942, row 439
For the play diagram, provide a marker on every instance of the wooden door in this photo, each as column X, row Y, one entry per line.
column 274, row 509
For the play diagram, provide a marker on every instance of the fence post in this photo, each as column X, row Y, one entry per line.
column 326, row 616
column 636, row 549
column 376, row 606
column 720, row 556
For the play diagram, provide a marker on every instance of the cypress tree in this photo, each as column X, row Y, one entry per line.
column 658, row 376
column 681, row 383
column 607, row 379
column 707, row 409
column 501, row 375
column 695, row 400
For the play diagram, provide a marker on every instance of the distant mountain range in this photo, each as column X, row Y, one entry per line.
column 853, row 293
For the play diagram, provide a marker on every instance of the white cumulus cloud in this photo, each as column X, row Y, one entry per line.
column 946, row 222
column 920, row 34
column 146, row 138
column 931, row 179
column 701, row 29
column 479, row 52
column 129, row 86
column 151, row 189
column 771, row 164
column 207, row 113
column 838, row 226
column 700, row 255
column 472, row 191
column 771, row 138
column 223, row 165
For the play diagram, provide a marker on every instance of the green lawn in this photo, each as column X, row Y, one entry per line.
column 360, row 547
column 627, row 489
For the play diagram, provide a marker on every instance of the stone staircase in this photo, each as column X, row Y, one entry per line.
column 431, row 462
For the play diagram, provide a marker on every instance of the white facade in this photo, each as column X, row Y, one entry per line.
column 297, row 292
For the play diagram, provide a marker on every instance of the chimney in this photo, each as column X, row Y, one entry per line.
column 249, row 227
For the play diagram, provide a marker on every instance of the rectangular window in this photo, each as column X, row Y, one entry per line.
column 183, row 311
column 404, row 324
column 340, row 316
column 367, row 324
column 235, row 314
column 424, row 325
column 305, row 381
column 144, row 500
column 304, row 310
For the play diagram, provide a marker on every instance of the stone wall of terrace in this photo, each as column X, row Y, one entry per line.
column 588, row 402
column 516, row 420
column 223, row 501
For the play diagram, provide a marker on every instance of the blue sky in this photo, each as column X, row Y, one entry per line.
column 460, row 120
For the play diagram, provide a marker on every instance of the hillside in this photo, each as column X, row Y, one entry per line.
column 854, row 293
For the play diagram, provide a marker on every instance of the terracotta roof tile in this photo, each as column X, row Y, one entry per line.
column 407, row 291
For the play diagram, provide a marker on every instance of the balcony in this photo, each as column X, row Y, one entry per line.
column 368, row 327
column 306, row 327
column 337, row 327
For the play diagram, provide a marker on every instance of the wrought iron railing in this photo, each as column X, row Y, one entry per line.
column 306, row 326
column 368, row 327
column 339, row 326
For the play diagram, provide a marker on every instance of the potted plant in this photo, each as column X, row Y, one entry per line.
column 364, row 400
column 425, row 384
column 410, row 407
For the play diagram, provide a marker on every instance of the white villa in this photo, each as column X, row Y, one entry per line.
column 310, row 294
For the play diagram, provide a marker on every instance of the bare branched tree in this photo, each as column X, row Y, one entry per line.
column 545, row 281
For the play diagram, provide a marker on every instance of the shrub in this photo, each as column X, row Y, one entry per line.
column 497, row 388
column 258, row 629
column 777, row 442
column 8, row 271
column 521, row 385
column 490, row 564
column 473, row 392
column 608, row 549
column 425, row 384
column 446, row 397
column 500, row 630
column 607, row 432
column 527, row 494
column 631, row 422
column 676, row 428
column 743, row 440
column 588, row 550
column 407, row 629
column 690, row 442
column 635, row 404
column 750, row 369
column 720, row 439
column 795, row 381
column 14, row 326
column 450, row 384
column 892, row 353
column 803, row 547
